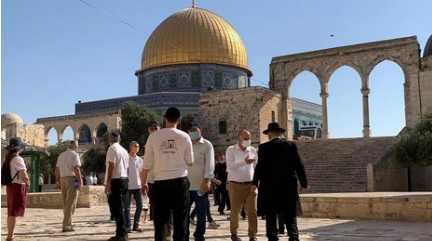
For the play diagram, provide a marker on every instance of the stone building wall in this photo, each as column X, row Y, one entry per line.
column 249, row 108
column 32, row 134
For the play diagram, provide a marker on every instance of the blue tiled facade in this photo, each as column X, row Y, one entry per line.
column 306, row 114
column 178, row 86
column 191, row 77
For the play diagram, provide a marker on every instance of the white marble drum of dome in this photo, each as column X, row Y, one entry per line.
column 193, row 50
column 9, row 119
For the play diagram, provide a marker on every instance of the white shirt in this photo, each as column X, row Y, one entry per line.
column 67, row 161
column 118, row 156
column 135, row 168
column 17, row 164
column 204, row 163
column 238, row 170
column 168, row 152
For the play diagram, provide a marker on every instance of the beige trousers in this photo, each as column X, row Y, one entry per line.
column 241, row 195
column 70, row 198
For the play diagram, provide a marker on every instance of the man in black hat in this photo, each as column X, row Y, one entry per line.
column 278, row 168
column 168, row 153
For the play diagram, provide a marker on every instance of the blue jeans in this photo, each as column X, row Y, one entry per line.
column 139, row 205
column 209, row 216
column 201, row 207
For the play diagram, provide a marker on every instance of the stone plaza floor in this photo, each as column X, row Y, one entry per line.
column 92, row 224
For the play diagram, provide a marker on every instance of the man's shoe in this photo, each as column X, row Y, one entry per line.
column 137, row 229
column 69, row 229
column 115, row 238
column 213, row 225
column 252, row 239
column 234, row 237
column 281, row 231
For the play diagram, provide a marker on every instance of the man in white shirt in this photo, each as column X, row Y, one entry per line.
column 68, row 175
column 200, row 176
column 241, row 160
column 117, row 161
column 135, row 168
column 168, row 153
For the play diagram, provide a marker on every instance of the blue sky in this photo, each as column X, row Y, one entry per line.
column 55, row 53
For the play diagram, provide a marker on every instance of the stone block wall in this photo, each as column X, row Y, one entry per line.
column 426, row 85
column 249, row 108
column 396, row 179
column 89, row 196
column 378, row 206
column 381, row 179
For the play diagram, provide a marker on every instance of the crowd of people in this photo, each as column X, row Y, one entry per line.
column 178, row 171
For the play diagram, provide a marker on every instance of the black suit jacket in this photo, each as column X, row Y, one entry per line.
column 278, row 170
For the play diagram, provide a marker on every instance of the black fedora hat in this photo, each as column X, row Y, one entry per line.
column 273, row 126
column 15, row 143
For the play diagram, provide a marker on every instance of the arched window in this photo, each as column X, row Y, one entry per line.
column 222, row 127
column 101, row 133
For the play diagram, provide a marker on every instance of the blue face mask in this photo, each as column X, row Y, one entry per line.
column 194, row 135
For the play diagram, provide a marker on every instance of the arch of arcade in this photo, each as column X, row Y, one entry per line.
column 95, row 123
column 363, row 58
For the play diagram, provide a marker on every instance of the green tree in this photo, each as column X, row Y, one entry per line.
column 414, row 146
column 94, row 160
column 49, row 159
column 135, row 121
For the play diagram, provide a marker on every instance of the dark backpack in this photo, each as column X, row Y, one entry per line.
column 6, row 177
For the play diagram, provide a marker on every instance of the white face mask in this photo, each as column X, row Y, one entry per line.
column 246, row 143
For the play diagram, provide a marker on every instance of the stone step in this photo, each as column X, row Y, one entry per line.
column 339, row 165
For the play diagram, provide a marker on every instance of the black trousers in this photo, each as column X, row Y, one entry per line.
column 272, row 226
column 119, row 189
column 171, row 196
column 223, row 198
column 110, row 205
column 151, row 201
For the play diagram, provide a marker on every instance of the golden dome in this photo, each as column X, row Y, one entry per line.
column 194, row 35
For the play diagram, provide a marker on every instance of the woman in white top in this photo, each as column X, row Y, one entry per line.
column 17, row 189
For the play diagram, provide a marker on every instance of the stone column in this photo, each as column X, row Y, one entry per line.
column 324, row 95
column 366, row 126
column 76, row 137
column 94, row 137
column 59, row 136
column 284, row 112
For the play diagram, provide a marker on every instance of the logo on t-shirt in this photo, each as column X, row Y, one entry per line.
column 168, row 146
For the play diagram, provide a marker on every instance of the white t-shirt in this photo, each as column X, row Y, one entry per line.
column 204, row 164
column 238, row 170
column 168, row 152
column 117, row 155
column 17, row 164
column 135, row 168
column 67, row 161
